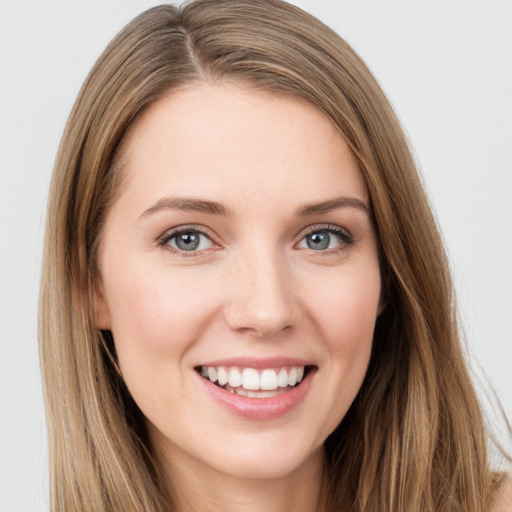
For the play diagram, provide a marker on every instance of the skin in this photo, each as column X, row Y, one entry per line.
column 253, row 288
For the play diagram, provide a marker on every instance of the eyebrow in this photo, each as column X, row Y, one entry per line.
column 214, row 208
column 188, row 204
column 331, row 204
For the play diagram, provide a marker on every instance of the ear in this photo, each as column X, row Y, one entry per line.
column 101, row 310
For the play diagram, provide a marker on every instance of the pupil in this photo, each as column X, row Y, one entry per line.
column 318, row 241
column 188, row 241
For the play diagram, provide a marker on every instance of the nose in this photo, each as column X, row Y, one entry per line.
column 262, row 297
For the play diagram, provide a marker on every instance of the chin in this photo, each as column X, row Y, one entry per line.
column 266, row 459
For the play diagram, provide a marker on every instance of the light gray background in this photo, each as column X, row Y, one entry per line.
column 447, row 67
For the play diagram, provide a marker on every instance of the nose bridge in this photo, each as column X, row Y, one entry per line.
column 262, row 298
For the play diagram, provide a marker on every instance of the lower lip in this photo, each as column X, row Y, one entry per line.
column 259, row 408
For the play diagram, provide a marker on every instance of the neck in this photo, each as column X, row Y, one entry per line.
column 201, row 489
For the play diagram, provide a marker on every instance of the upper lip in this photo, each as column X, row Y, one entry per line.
column 259, row 362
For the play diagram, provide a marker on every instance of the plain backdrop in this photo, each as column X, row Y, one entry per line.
column 447, row 68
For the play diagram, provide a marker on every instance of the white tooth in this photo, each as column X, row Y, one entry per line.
column 251, row 379
column 292, row 377
column 282, row 378
column 204, row 371
column 268, row 379
column 300, row 373
column 212, row 374
column 222, row 375
column 252, row 394
column 235, row 378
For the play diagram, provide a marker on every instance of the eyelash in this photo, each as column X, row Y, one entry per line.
column 346, row 239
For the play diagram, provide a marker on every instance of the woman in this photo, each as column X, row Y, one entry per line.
column 244, row 288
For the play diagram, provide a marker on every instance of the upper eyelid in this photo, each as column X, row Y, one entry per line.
column 323, row 227
column 170, row 233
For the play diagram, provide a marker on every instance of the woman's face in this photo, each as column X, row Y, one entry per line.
column 241, row 250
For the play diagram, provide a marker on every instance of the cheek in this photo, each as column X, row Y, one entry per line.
column 154, row 322
column 352, row 330
column 136, row 310
column 345, row 314
column 152, row 313
column 346, row 307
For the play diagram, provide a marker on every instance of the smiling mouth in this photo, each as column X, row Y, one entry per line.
column 255, row 383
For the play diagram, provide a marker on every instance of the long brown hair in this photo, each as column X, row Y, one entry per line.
column 414, row 438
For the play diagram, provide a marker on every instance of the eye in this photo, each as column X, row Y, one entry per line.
column 323, row 239
column 188, row 240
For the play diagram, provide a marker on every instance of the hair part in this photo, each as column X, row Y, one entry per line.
column 414, row 438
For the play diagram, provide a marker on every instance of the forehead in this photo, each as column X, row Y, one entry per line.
column 234, row 142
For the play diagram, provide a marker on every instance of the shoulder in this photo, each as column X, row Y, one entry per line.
column 504, row 500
